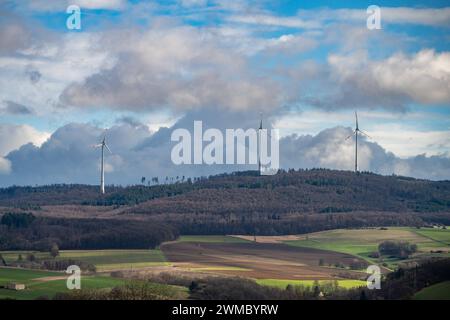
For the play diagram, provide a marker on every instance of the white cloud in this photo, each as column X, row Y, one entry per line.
column 329, row 149
column 406, row 142
column 400, row 133
column 425, row 76
column 100, row 4
column 5, row 166
column 354, row 81
column 320, row 18
column 436, row 17
column 14, row 136
column 61, row 5
column 273, row 21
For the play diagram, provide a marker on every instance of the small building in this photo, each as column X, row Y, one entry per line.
column 15, row 286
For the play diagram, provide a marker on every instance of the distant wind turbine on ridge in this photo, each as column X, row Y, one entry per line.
column 355, row 133
column 259, row 143
column 103, row 145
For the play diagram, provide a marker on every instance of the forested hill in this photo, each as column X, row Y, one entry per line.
column 305, row 191
column 291, row 202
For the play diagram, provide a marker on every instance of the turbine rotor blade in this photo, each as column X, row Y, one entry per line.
column 365, row 134
column 356, row 117
column 106, row 146
column 354, row 132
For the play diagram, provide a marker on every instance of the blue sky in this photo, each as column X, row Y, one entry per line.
column 306, row 65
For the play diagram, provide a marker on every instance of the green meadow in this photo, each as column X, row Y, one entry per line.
column 362, row 242
column 437, row 235
column 439, row 291
column 38, row 284
column 104, row 260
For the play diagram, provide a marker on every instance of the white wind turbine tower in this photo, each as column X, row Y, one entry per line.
column 355, row 133
column 259, row 141
column 103, row 145
column 259, row 144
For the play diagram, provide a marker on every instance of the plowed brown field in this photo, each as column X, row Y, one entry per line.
column 257, row 260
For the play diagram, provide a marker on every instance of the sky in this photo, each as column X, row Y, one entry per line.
column 137, row 70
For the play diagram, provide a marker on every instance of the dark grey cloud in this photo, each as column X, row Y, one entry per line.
column 128, row 120
column 14, row 108
column 19, row 33
column 14, row 34
column 34, row 75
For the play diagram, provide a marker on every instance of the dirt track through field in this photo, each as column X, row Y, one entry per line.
column 257, row 260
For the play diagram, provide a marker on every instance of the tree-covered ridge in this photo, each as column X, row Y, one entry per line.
column 317, row 190
column 309, row 191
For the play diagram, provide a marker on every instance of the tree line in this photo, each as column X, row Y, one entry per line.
column 42, row 233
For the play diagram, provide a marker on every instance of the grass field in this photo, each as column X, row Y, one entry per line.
column 438, row 235
column 104, row 260
column 282, row 284
column 37, row 286
column 43, row 283
column 439, row 291
column 361, row 242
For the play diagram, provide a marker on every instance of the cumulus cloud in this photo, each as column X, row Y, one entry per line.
column 38, row 75
column 68, row 156
column 168, row 65
column 355, row 81
column 329, row 149
column 423, row 77
column 14, row 136
column 5, row 166
column 177, row 67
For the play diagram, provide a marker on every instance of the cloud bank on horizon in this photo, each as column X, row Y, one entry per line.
column 144, row 68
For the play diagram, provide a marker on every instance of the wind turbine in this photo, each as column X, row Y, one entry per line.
column 259, row 143
column 103, row 145
column 259, row 140
column 355, row 133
